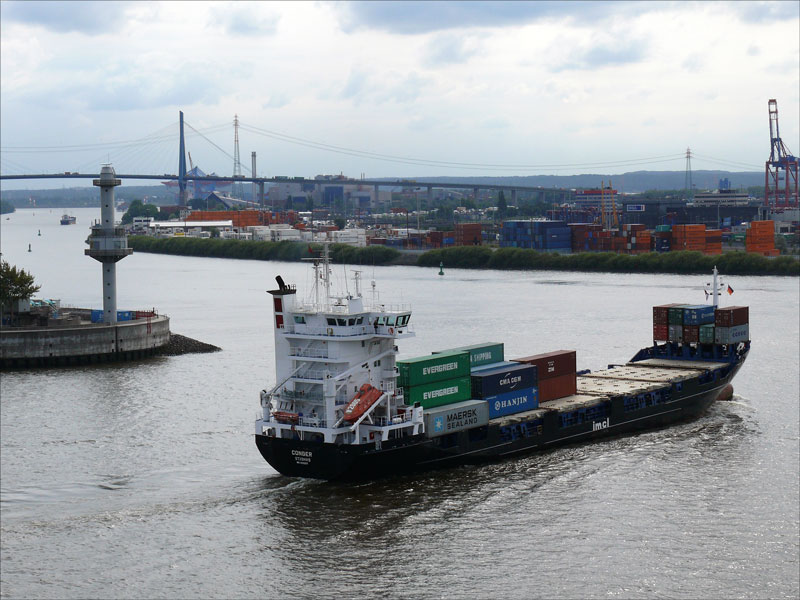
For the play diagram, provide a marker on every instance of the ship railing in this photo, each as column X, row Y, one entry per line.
column 286, row 394
column 317, row 374
column 311, row 353
column 401, row 307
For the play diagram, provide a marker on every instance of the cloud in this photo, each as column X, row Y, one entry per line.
column 759, row 12
column 449, row 49
column 90, row 18
column 424, row 17
column 276, row 100
column 239, row 19
column 605, row 55
column 355, row 85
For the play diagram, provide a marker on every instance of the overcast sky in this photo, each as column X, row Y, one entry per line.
column 399, row 89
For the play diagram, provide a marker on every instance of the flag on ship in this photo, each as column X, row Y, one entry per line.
column 730, row 290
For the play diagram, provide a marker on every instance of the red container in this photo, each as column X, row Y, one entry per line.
column 731, row 316
column 691, row 334
column 552, row 364
column 660, row 333
column 557, row 387
column 661, row 314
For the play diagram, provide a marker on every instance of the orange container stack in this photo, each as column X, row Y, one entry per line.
column 760, row 238
column 713, row 241
column 688, row 237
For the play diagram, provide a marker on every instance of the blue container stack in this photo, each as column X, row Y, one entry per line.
column 539, row 235
column 508, row 388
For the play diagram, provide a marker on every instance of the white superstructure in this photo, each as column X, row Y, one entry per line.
column 326, row 349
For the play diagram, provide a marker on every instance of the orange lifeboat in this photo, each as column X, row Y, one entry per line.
column 283, row 416
column 366, row 397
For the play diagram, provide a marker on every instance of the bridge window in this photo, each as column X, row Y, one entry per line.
column 299, row 319
column 390, row 321
column 331, row 321
column 351, row 322
column 341, row 322
column 402, row 320
column 360, row 320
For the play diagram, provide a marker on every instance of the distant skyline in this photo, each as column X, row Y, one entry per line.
column 407, row 89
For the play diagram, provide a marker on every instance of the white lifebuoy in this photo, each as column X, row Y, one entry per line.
column 391, row 331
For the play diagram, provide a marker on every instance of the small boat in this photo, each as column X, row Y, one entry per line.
column 68, row 219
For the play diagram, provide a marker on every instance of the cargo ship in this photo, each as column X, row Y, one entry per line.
column 344, row 407
column 68, row 219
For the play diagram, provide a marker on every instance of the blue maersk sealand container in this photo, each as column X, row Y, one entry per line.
column 512, row 402
column 506, row 379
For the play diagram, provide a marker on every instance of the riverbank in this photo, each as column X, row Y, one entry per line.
column 478, row 257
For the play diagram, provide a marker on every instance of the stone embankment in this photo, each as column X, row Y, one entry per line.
column 180, row 344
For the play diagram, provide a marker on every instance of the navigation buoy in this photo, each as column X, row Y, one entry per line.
column 40, row 233
column 29, row 247
column 441, row 268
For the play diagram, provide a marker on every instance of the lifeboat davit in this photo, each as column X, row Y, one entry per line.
column 367, row 396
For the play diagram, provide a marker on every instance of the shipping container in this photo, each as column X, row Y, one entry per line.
column 491, row 382
column 660, row 333
column 732, row 335
column 661, row 313
column 512, row 402
column 97, row 315
column 557, row 387
column 691, row 334
column 456, row 417
column 676, row 333
column 551, row 364
column 480, row 354
column 439, row 393
column 431, row 368
column 676, row 314
column 700, row 314
column 124, row 315
column 706, row 334
column 730, row 316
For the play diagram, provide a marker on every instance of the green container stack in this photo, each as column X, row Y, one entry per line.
column 436, row 380
column 707, row 334
column 676, row 314
column 486, row 353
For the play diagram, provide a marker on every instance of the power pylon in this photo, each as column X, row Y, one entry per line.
column 236, row 190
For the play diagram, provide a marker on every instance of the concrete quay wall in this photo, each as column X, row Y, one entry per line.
column 82, row 344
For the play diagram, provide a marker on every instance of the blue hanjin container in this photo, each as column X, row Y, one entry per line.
column 513, row 402
column 506, row 379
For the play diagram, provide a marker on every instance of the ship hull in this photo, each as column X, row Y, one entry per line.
column 296, row 458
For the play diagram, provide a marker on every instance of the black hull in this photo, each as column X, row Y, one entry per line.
column 297, row 458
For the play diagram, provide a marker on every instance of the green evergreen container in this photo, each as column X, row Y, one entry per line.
column 707, row 334
column 431, row 368
column 440, row 392
column 481, row 354
column 663, row 228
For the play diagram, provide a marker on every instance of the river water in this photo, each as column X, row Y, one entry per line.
column 142, row 479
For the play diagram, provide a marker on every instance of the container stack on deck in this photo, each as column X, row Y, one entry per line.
column 556, row 373
column 700, row 324
column 760, row 238
column 435, row 380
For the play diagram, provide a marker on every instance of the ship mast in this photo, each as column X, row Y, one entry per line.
column 715, row 288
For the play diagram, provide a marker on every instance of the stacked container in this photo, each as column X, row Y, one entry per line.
column 539, row 235
column 468, row 234
column 693, row 318
column 688, row 237
column 555, row 372
column 662, row 238
column 661, row 322
column 731, row 325
column 435, row 380
column 508, row 389
column 480, row 355
column 713, row 241
column 760, row 238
